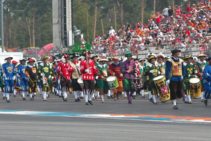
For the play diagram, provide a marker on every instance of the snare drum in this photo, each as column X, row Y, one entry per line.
column 80, row 82
column 195, row 87
column 112, row 82
column 160, row 83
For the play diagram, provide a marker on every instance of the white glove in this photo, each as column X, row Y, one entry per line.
column 167, row 82
column 14, row 77
column 87, row 70
column 97, row 77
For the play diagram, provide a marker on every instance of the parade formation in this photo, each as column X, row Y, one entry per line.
column 87, row 76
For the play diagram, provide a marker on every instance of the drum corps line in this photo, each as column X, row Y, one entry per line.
column 157, row 77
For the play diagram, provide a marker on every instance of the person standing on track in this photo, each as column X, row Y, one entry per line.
column 174, row 76
column 88, row 71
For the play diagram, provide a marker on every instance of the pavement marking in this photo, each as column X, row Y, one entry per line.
column 139, row 117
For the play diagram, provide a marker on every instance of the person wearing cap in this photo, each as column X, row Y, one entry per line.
column 201, row 63
column 128, row 70
column 206, row 79
column 45, row 72
column 8, row 76
column 138, row 78
column 102, row 75
column 143, row 78
column 88, row 71
column 161, row 63
column 77, row 89
column 22, row 78
column 190, row 71
column 16, row 83
column 65, row 71
column 56, row 79
column 152, row 71
column 32, row 74
column 174, row 76
column 115, row 70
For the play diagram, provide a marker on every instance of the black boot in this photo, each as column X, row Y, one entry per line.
column 205, row 102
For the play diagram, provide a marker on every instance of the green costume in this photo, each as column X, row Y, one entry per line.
column 102, row 73
column 190, row 71
column 46, row 76
column 152, row 71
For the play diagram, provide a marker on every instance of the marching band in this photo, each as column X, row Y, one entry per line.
column 88, row 77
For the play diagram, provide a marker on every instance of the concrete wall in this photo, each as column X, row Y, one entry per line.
column 57, row 23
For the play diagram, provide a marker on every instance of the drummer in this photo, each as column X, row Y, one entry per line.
column 190, row 71
column 152, row 71
column 102, row 75
column 174, row 76
column 115, row 70
column 75, row 76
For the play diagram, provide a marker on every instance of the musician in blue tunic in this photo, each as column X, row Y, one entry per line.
column 174, row 76
column 22, row 78
column 206, row 79
column 8, row 77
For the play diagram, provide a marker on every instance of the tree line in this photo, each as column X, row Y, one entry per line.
column 28, row 23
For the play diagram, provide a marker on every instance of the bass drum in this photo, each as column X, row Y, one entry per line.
column 195, row 87
column 160, row 83
column 112, row 82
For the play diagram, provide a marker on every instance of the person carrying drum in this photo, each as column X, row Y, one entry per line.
column 88, row 71
column 115, row 70
column 152, row 71
column 174, row 76
column 32, row 74
column 207, row 81
column 190, row 71
column 128, row 70
column 201, row 63
column 102, row 75
column 75, row 76
column 9, row 77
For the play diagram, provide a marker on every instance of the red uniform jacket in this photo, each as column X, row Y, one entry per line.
column 65, row 69
column 88, row 70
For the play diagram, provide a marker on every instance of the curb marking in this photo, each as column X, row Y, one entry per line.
column 140, row 117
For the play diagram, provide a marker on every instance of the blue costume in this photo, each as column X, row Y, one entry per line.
column 8, row 78
column 174, row 73
column 174, row 76
column 206, row 80
column 22, row 78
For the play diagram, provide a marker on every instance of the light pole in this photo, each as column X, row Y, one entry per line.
column 2, row 25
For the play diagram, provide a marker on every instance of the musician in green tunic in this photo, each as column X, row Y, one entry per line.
column 152, row 71
column 46, row 75
column 190, row 71
column 102, row 75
